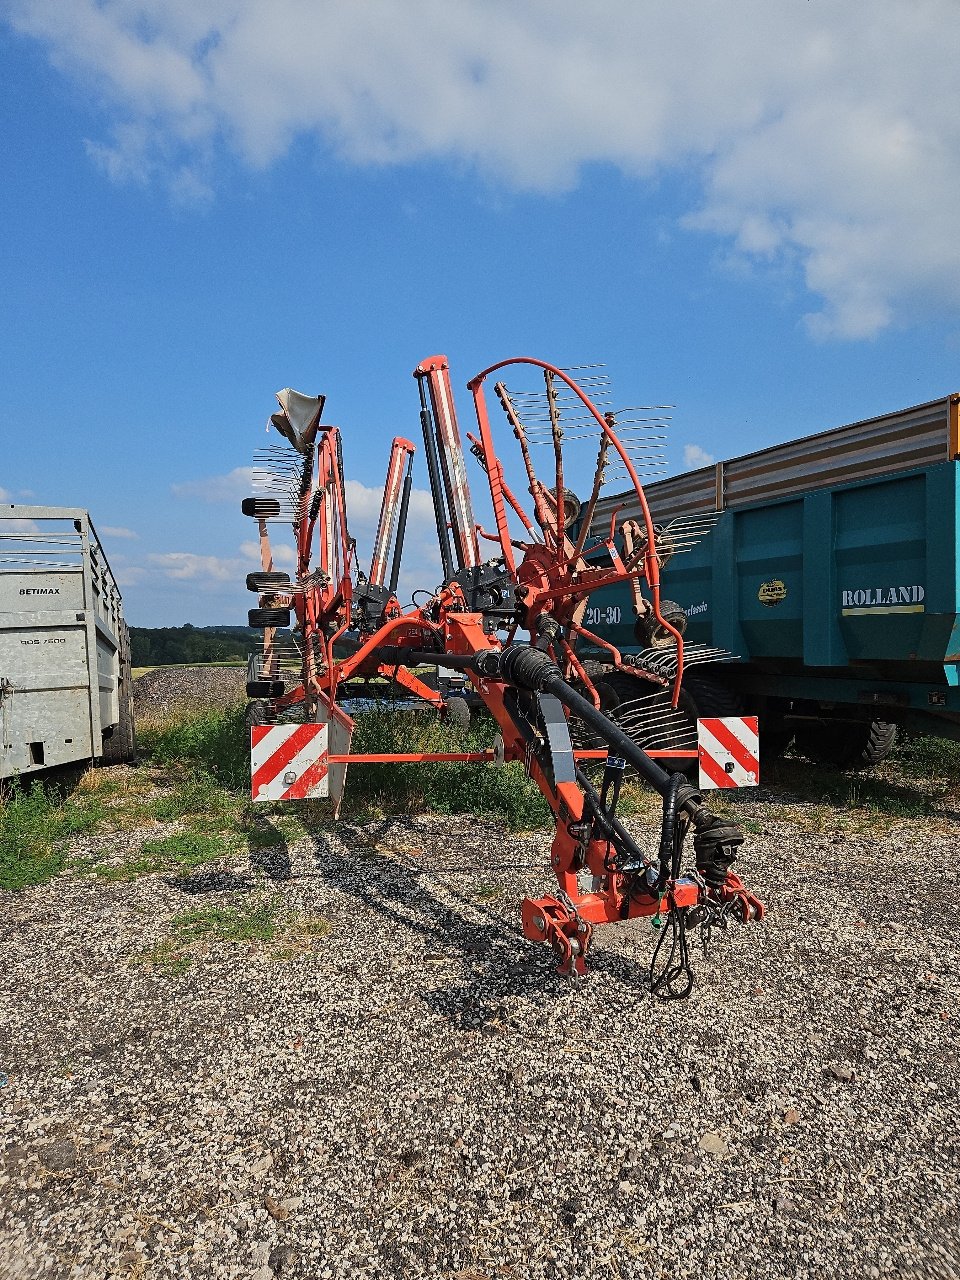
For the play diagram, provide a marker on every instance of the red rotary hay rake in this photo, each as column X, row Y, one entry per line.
column 548, row 561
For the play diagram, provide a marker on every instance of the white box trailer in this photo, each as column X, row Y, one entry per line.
column 65, row 679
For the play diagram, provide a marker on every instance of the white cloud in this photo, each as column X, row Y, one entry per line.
column 421, row 557
column 694, row 456
column 233, row 487
column 5, row 495
column 129, row 575
column 284, row 554
column 818, row 138
column 185, row 566
column 118, row 531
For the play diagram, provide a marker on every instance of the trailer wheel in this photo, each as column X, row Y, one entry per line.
column 458, row 713
column 882, row 740
column 262, row 618
column 847, row 744
column 711, row 698
column 648, row 630
column 121, row 746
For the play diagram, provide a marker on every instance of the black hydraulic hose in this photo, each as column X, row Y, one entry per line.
column 401, row 528
column 612, row 734
column 668, row 832
column 436, row 488
column 716, row 839
column 610, row 825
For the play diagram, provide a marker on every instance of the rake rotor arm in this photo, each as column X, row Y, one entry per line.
column 651, row 564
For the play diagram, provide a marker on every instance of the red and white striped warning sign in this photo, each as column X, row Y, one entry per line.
column 288, row 761
column 729, row 751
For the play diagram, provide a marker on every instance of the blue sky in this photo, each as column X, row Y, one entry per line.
column 750, row 213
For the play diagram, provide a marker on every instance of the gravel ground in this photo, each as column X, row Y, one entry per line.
column 416, row 1094
column 158, row 691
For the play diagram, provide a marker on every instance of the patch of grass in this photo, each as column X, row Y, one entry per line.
column 213, row 739
column 196, row 795
column 487, row 892
column 822, row 798
column 437, row 787
column 263, row 921
column 254, row 922
column 927, row 758
column 168, row 956
column 125, row 795
column 36, row 821
column 181, row 851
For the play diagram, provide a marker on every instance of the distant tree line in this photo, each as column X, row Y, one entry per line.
column 166, row 646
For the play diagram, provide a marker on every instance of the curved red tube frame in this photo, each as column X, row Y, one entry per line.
column 495, row 477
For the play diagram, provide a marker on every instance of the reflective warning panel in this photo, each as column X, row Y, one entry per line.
column 288, row 761
column 729, row 751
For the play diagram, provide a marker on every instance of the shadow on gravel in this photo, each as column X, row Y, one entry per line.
column 268, row 850
column 209, row 880
column 410, row 897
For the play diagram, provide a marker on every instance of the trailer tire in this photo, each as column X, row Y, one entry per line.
column 648, row 630
column 882, row 740
column 121, row 746
column 458, row 713
column 711, row 698
column 847, row 744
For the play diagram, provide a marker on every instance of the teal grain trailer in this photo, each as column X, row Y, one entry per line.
column 830, row 575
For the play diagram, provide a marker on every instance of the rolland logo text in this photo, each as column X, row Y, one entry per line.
column 873, row 597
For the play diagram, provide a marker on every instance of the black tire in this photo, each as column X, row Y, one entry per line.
column 268, row 617
column 847, row 744
column 458, row 713
column 265, row 688
column 649, row 632
column 257, row 712
column 711, row 697
column 267, row 581
column 260, row 508
column 882, row 740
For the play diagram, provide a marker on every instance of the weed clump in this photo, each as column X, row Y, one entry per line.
column 35, row 822
column 262, row 921
column 211, row 740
